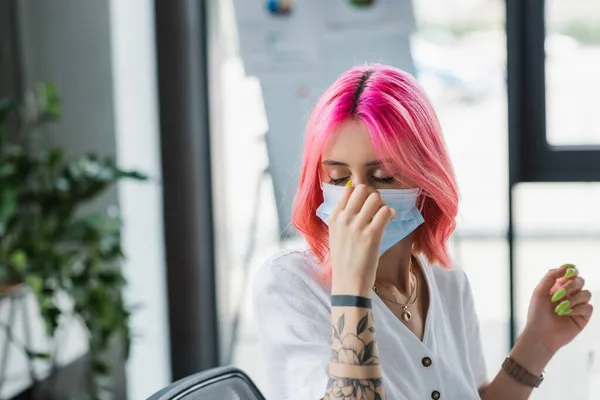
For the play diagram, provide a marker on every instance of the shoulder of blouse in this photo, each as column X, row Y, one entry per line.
column 453, row 280
column 296, row 271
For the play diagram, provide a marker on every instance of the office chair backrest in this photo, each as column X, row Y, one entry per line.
column 224, row 383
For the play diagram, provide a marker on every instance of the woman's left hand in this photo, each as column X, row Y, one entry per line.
column 560, row 308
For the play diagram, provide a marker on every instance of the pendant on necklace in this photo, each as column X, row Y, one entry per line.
column 406, row 315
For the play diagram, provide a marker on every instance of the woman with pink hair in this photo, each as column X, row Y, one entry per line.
column 373, row 309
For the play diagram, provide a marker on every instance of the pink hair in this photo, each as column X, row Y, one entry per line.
column 405, row 130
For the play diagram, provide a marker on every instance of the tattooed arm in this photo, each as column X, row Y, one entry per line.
column 354, row 370
column 356, row 227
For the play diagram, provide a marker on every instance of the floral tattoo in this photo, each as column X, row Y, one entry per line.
column 354, row 345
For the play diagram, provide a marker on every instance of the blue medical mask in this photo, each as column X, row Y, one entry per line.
column 404, row 201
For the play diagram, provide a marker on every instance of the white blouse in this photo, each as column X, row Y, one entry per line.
column 293, row 314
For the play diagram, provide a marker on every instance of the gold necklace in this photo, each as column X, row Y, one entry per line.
column 406, row 314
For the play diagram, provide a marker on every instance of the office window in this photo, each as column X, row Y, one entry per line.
column 572, row 79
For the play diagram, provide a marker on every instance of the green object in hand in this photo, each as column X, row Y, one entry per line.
column 560, row 293
column 362, row 3
column 562, row 307
column 571, row 271
column 565, row 312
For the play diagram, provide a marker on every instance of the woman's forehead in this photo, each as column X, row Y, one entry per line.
column 350, row 143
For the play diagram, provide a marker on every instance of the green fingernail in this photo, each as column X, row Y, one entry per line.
column 570, row 272
column 349, row 183
column 562, row 306
column 560, row 293
column 565, row 312
column 567, row 266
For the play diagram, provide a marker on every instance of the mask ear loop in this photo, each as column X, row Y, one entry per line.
column 423, row 197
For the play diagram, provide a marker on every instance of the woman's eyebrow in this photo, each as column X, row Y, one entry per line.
column 334, row 163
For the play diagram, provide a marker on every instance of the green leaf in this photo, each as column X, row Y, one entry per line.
column 112, row 278
column 51, row 316
column 138, row 176
column 36, row 282
column 53, row 158
column 51, row 101
column 8, row 205
column 18, row 260
column 100, row 366
column 7, row 170
column 127, row 339
column 38, row 355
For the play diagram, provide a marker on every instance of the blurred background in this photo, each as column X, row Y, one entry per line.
column 202, row 105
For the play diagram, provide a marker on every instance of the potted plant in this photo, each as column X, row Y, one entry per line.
column 48, row 246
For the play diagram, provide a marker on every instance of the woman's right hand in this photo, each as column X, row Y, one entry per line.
column 356, row 228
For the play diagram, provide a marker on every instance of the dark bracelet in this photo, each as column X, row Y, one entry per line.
column 520, row 374
column 345, row 300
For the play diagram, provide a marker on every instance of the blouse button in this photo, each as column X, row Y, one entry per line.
column 426, row 361
column 435, row 395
